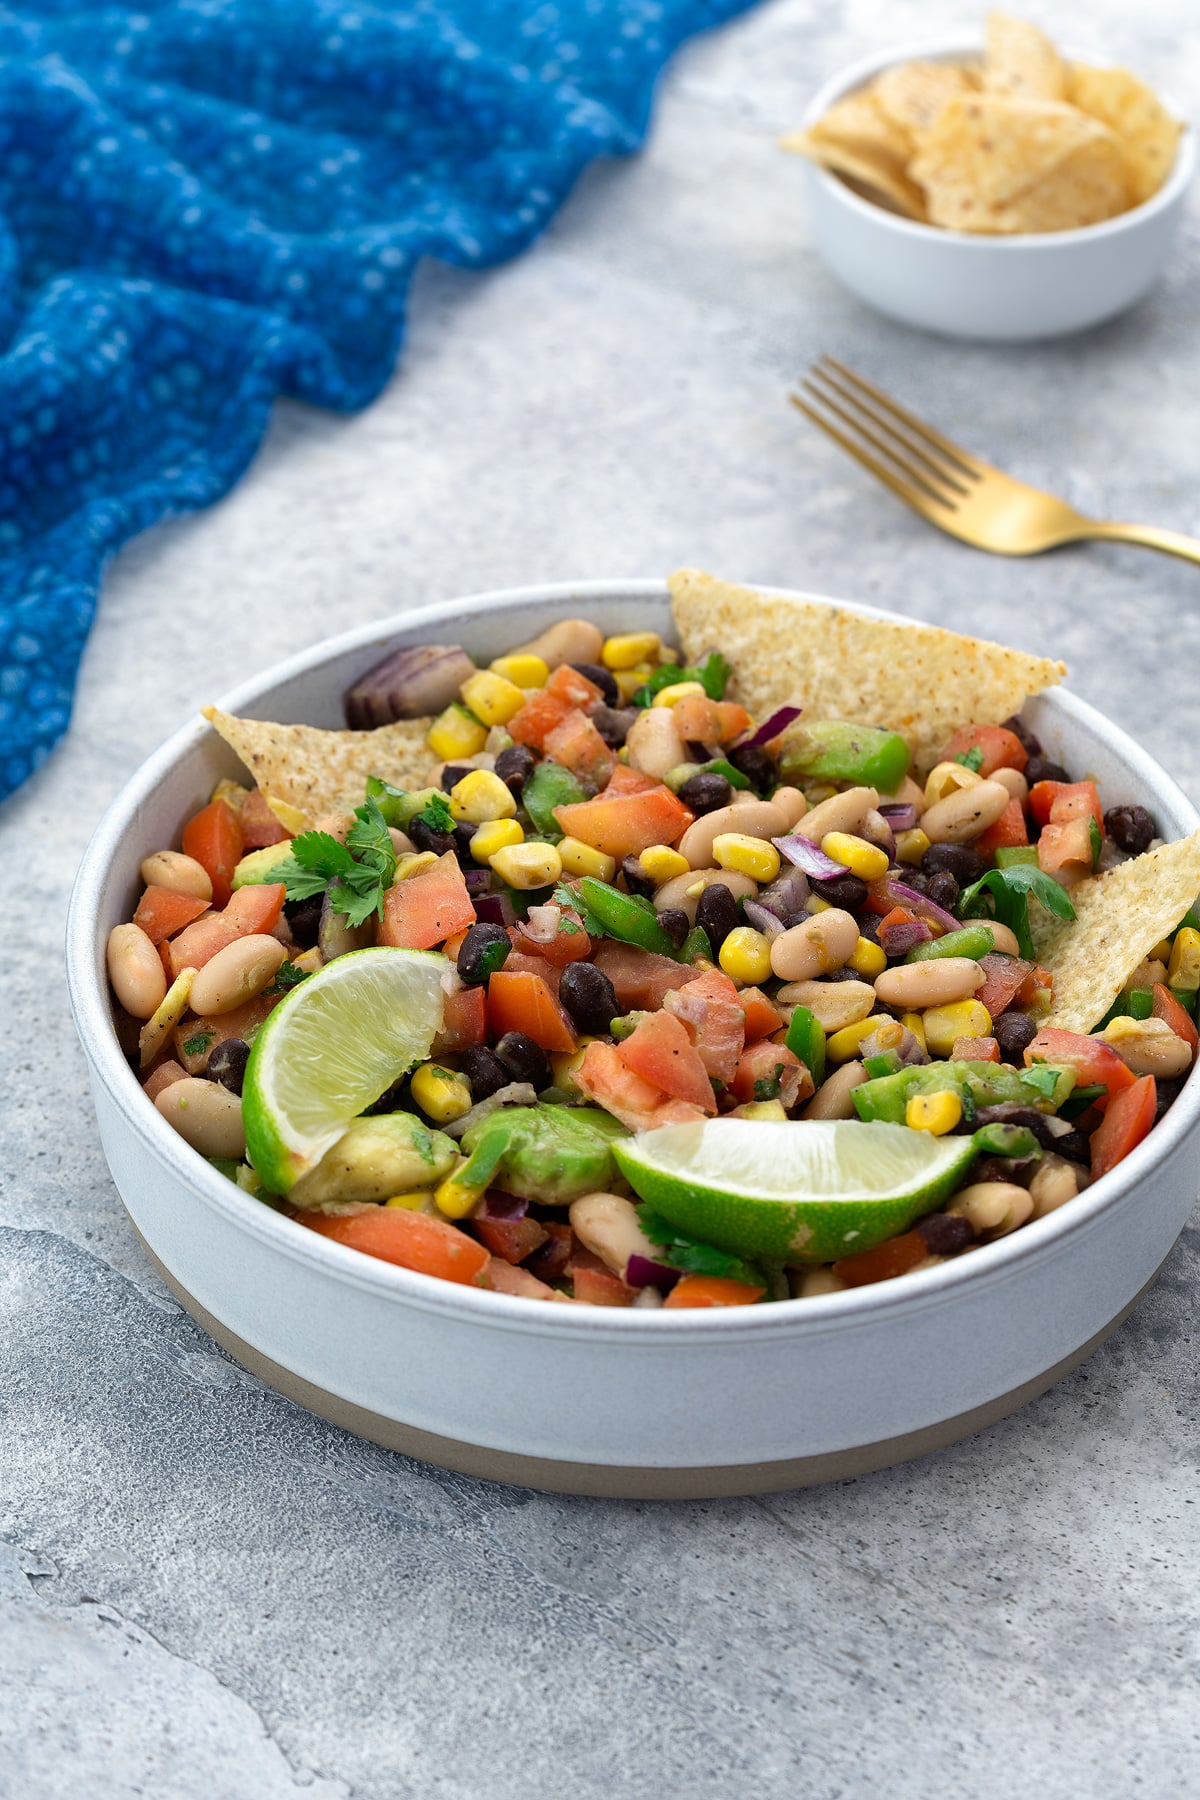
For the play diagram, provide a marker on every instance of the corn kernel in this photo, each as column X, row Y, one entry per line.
column 745, row 956
column 420, row 1200
column 497, row 834
column 1183, row 969
column 309, row 961
column 480, row 797
column 760, row 1109
column 868, row 958
column 528, row 865
column 668, row 654
column 946, row 779
column 442, row 1094
column 630, row 680
column 847, row 1042
column 455, row 1199
column 629, row 649
column 415, row 862
column 522, row 669
column 1161, row 952
column 815, row 904
column 661, row 863
column 491, row 698
column 911, row 846
column 889, row 1034
column 935, row 1113
column 753, row 856
column 679, row 690
column 456, row 733
column 963, row 1018
column 232, row 792
column 865, row 860
column 915, row 1023
column 579, row 858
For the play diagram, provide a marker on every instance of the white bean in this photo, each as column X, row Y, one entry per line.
column 182, row 874
column 609, row 1227
column 793, row 805
column 1055, row 1181
column 909, row 793
column 807, row 1284
column 1149, row 1047
column 833, row 1004
column 1014, row 781
column 841, row 812
column 939, row 981
column 236, row 974
column 566, row 641
column 821, row 944
column 674, row 894
column 961, row 816
column 832, row 1099
column 135, row 970
column 206, row 1114
column 1005, row 940
column 758, row 818
column 654, row 742
column 996, row 1207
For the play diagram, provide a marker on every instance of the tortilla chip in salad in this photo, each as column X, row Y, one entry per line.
column 304, row 770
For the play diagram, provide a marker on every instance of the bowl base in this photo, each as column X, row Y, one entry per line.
column 612, row 1481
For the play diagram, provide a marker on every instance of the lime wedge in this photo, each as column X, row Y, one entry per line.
column 338, row 1041
column 792, row 1191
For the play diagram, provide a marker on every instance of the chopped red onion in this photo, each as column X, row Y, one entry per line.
column 787, row 895
column 922, row 905
column 809, row 856
column 901, row 815
column 495, row 909
column 503, row 1206
column 541, row 924
column 477, row 881
column 770, row 728
column 641, row 1272
column 762, row 918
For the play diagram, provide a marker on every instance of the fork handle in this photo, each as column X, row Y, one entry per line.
column 1150, row 537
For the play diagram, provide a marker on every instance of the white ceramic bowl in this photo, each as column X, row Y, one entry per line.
column 1002, row 289
column 584, row 1399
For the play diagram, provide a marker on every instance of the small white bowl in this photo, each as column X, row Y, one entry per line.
column 588, row 1399
column 997, row 289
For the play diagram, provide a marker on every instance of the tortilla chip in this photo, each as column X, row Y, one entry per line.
column 1149, row 135
column 860, row 124
column 857, row 140
column 301, row 769
column 1119, row 917
column 917, row 679
column 1021, row 60
column 1089, row 185
column 912, row 94
column 985, row 151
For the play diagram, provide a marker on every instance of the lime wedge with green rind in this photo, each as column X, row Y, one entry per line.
column 330, row 1049
column 797, row 1192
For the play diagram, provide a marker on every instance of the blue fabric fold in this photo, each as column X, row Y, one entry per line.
column 206, row 203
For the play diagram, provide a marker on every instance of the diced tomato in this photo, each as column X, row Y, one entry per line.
column 605, row 1078
column 712, row 1290
column 1036, row 989
column 521, row 963
column 760, row 1017
column 599, row 1287
column 568, row 684
column 570, row 942
column 732, row 720
column 625, row 780
column 162, row 1077
column 427, row 908
column 578, row 746
column 550, row 1262
column 464, row 1021
column 517, row 1001
column 1002, row 749
column 203, row 1035
column 896, row 1257
column 1065, row 848
column 698, row 719
column 1093, row 1060
column 641, row 978
column 1010, row 828
column 507, row 1278
column 710, row 1009
column 260, row 827
column 661, row 1051
column 414, row 1240
column 1126, row 1121
column 1003, row 978
column 251, row 910
column 161, row 912
column 511, row 1239
column 1062, row 801
column 976, row 1049
column 1167, row 1007
column 539, row 716
column 214, row 838
column 760, row 1063
column 899, row 915
column 626, row 824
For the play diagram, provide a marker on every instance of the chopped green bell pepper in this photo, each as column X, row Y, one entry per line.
column 806, row 1038
column 550, row 785
column 973, row 941
column 628, row 917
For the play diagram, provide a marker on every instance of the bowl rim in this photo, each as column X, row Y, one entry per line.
column 857, row 74
column 914, row 1292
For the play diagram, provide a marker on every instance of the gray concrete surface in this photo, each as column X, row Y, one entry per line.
column 205, row 1592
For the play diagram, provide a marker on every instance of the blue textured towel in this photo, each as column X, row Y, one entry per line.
column 205, row 203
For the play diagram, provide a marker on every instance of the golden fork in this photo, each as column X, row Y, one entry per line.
column 954, row 490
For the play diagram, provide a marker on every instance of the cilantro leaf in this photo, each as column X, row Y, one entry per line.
column 566, row 896
column 287, row 976
column 1009, row 890
column 198, row 1044
column 971, row 759
column 680, row 1251
column 768, row 1087
column 356, row 873
column 713, row 673
column 1042, row 1078
column 436, row 813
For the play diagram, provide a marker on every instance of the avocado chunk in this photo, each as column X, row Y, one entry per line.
column 550, row 1154
column 376, row 1157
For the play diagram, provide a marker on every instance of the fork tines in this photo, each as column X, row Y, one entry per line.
column 923, row 467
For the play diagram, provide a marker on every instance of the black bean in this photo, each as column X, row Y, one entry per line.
column 754, row 763
column 1019, row 729
column 483, row 950
column 966, row 865
column 943, row 890
column 1167, row 1089
column 1074, row 1146
column 452, row 774
column 706, row 792
column 589, row 996
column 636, row 878
column 613, row 724
column 944, row 1233
column 601, row 678
column 842, row 890
column 463, row 833
column 485, row 1072
column 1013, row 1031
column 524, row 1060
column 1017, row 1169
column 1131, row 828
column 304, row 919
column 675, row 923
column 514, row 766
column 227, row 1064
column 1011, row 1112
column 424, row 837
column 717, row 913
column 913, row 878
column 1041, row 768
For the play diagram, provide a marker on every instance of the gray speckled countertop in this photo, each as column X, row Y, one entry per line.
column 206, row 1592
